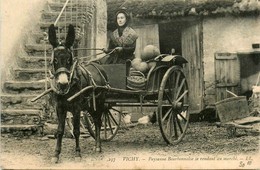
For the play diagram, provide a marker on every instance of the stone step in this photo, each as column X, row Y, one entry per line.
column 61, row 25
column 21, row 87
column 33, row 61
column 68, row 16
column 23, row 74
column 71, row 6
column 21, row 101
column 21, row 130
column 39, row 37
column 30, row 48
column 21, row 116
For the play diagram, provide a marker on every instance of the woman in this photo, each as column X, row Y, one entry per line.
column 122, row 40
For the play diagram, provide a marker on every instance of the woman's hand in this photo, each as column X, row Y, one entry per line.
column 105, row 50
column 119, row 49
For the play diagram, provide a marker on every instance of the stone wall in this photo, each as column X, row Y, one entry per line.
column 225, row 34
column 96, row 29
column 101, row 19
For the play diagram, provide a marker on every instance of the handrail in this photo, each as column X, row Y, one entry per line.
column 64, row 6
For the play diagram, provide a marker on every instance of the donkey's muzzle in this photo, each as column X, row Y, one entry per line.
column 62, row 87
column 63, row 79
column 63, row 82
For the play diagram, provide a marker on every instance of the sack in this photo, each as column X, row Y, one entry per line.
column 136, row 81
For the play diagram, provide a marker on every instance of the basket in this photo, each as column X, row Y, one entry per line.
column 136, row 81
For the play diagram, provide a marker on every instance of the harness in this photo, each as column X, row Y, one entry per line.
column 89, row 78
column 92, row 81
column 53, row 73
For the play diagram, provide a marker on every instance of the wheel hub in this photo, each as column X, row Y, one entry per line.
column 177, row 105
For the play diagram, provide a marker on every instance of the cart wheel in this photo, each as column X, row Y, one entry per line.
column 173, row 115
column 110, row 124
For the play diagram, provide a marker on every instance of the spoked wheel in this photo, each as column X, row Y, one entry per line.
column 110, row 124
column 173, row 115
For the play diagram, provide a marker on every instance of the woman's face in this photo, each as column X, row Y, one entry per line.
column 121, row 19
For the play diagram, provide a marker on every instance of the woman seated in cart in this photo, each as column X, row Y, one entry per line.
column 122, row 40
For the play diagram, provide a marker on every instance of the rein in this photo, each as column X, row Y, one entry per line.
column 71, row 72
column 96, row 59
column 92, row 82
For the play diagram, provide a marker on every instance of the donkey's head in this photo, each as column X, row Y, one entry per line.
column 62, row 59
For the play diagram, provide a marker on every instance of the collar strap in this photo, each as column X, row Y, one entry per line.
column 62, row 69
column 60, row 47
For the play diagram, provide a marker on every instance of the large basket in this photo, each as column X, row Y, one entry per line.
column 136, row 81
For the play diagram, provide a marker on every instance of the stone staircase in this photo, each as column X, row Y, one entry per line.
column 18, row 114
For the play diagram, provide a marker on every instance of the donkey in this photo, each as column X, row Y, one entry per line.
column 68, row 78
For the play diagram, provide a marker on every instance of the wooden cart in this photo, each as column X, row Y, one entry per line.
column 234, row 114
column 166, row 89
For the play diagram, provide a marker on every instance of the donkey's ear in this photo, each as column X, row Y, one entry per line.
column 70, row 37
column 52, row 36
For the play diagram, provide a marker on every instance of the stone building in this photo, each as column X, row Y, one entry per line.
column 200, row 30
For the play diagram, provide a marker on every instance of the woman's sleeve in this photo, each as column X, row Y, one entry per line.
column 111, row 46
column 130, row 49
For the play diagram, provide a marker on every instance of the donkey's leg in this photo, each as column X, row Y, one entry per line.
column 61, row 114
column 97, row 122
column 76, row 130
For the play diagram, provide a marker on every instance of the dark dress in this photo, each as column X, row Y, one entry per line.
column 127, row 41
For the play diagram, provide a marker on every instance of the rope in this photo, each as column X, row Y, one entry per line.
column 92, row 55
column 96, row 59
column 58, row 18
column 88, row 49
column 123, row 4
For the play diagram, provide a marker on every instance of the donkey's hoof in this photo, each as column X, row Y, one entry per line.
column 78, row 158
column 98, row 149
column 54, row 160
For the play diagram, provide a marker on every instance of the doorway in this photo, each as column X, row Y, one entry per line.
column 170, row 37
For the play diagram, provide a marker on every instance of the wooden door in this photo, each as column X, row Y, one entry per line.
column 192, row 52
column 147, row 35
column 227, row 74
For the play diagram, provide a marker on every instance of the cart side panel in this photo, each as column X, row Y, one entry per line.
column 116, row 75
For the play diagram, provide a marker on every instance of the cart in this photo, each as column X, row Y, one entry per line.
column 234, row 114
column 165, row 88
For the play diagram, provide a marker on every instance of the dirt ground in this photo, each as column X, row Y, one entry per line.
column 142, row 146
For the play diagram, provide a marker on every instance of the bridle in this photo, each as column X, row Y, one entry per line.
column 54, row 72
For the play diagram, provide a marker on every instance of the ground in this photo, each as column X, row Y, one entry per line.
column 141, row 146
